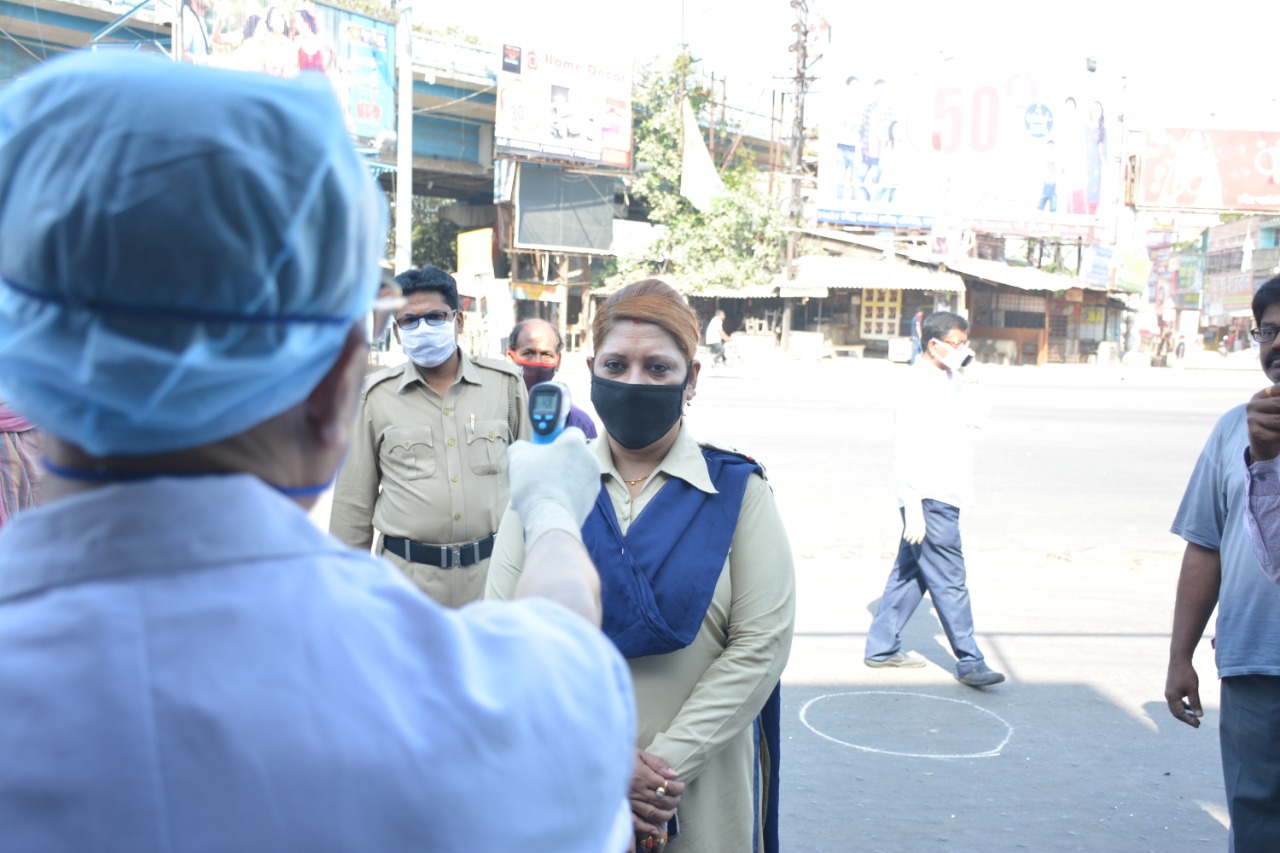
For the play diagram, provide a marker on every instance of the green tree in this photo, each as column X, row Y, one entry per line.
column 737, row 242
column 435, row 239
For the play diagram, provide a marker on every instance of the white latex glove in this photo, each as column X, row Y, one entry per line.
column 554, row 486
column 913, row 528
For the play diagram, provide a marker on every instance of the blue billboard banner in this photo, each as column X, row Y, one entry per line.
column 356, row 52
column 1017, row 150
column 1096, row 266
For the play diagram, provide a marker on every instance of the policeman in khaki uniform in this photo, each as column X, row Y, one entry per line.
column 428, row 463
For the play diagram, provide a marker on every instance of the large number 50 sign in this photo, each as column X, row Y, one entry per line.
column 966, row 123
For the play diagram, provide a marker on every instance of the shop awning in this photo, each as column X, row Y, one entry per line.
column 1021, row 278
column 761, row 291
column 816, row 274
column 996, row 272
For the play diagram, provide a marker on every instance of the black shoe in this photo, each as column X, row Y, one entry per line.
column 905, row 660
column 981, row 676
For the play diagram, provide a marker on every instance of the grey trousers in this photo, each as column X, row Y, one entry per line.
column 936, row 566
column 1250, row 736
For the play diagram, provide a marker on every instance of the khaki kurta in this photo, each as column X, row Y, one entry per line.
column 696, row 706
column 432, row 469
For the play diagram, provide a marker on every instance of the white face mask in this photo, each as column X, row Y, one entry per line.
column 430, row 346
column 953, row 357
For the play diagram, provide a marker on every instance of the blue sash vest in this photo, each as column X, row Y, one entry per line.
column 657, row 582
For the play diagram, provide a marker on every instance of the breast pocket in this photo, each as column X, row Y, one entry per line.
column 487, row 446
column 408, row 453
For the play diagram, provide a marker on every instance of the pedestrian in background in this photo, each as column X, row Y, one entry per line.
column 536, row 348
column 716, row 337
column 916, row 345
column 1220, row 569
column 186, row 662
column 428, row 466
column 933, row 478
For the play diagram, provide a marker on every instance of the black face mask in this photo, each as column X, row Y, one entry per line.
column 637, row 415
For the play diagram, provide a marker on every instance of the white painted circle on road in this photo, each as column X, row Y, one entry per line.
column 1001, row 731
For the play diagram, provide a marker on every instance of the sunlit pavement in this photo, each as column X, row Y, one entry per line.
column 1072, row 573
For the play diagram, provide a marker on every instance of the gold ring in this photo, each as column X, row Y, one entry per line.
column 661, row 791
column 1268, row 391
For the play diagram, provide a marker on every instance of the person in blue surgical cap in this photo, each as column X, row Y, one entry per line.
column 187, row 260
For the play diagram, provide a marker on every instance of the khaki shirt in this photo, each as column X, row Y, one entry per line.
column 695, row 706
column 432, row 469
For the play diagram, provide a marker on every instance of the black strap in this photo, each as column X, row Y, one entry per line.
column 441, row 556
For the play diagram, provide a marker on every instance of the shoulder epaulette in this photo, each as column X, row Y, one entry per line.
column 733, row 451
column 499, row 364
column 380, row 376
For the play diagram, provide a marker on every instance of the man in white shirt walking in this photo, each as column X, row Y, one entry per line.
column 715, row 338
column 933, row 479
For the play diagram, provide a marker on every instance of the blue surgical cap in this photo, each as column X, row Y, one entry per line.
column 183, row 250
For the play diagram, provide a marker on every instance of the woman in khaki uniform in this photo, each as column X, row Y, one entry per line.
column 698, row 585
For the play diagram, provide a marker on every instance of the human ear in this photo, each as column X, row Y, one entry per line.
column 695, row 367
column 330, row 407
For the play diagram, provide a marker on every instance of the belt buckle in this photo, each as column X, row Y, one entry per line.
column 455, row 552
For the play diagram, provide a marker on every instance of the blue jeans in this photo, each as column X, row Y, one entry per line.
column 1249, row 734
column 1048, row 198
column 936, row 565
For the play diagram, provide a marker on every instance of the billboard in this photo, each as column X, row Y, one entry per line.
column 1015, row 150
column 1209, row 170
column 1227, row 295
column 1189, row 281
column 563, row 106
column 563, row 212
column 355, row 52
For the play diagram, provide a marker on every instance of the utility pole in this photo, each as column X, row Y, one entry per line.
column 404, row 138
column 795, row 211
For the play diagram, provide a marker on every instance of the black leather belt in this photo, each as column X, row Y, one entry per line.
column 444, row 556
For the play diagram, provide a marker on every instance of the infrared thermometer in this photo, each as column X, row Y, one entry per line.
column 548, row 408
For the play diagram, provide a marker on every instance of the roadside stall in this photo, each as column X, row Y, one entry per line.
column 752, row 316
column 862, row 305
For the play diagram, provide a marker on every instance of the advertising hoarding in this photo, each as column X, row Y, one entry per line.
column 1227, row 295
column 1009, row 150
column 356, row 52
column 1189, row 281
column 1132, row 272
column 563, row 106
column 1096, row 266
column 563, row 212
column 1210, row 170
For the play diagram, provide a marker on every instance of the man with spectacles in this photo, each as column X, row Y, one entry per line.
column 933, row 478
column 1234, row 478
column 428, row 466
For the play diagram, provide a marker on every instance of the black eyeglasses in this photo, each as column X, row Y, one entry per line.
column 1264, row 335
column 435, row 318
